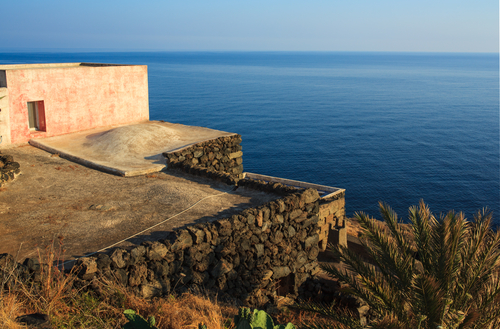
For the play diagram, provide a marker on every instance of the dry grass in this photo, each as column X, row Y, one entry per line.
column 87, row 309
column 71, row 305
column 104, row 306
column 10, row 309
column 296, row 316
column 185, row 311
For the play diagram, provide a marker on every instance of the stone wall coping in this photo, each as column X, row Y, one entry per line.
column 325, row 192
column 182, row 148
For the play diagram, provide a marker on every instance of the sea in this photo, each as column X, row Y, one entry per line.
column 386, row 127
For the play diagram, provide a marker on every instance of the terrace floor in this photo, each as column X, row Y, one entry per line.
column 54, row 199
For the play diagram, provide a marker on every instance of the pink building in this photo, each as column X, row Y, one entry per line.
column 43, row 100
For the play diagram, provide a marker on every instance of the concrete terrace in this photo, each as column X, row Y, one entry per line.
column 54, row 199
column 127, row 150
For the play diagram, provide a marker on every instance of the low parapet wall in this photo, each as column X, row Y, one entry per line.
column 222, row 155
column 331, row 219
column 255, row 256
column 331, row 215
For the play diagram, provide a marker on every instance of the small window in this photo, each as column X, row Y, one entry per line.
column 36, row 116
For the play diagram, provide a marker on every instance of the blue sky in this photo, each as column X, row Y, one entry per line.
column 279, row 25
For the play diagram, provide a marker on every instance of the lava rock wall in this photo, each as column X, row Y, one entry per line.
column 8, row 168
column 252, row 256
column 219, row 156
column 255, row 256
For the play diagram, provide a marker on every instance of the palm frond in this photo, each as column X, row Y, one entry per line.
column 385, row 252
column 443, row 272
column 340, row 318
column 429, row 299
column 422, row 222
column 354, row 269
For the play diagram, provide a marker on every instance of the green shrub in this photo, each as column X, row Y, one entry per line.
column 246, row 319
column 433, row 273
column 138, row 322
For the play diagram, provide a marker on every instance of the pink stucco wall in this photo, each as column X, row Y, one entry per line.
column 77, row 98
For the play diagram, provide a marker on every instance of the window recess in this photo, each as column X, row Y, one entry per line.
column 36, row 116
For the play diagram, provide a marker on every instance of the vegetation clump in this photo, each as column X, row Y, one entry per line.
column 246, row 319
column 434, row 273
column 138, row 322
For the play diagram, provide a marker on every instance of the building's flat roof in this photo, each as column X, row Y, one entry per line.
column 55, row 65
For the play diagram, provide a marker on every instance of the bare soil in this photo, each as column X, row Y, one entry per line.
column 55, row 200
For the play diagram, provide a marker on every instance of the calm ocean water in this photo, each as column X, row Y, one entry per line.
column 393, row 127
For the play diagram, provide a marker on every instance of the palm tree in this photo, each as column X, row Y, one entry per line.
column 432, row 273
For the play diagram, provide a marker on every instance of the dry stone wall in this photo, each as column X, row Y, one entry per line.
column 252, row 256
column 332, row 221
column 255, row 256
column 221, row 156
column 9, row 169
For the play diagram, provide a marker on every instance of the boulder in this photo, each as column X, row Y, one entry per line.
column 198, row 153
column 267, row 275
column 277, row 237
column 137, row 255
column 259, row 249
column 121, row 276
column 224, row 227
column 137, row 274
column 103, row 261
column 295, row 214
column 222, row 267
column 280, row 271
column 301, row 258
column 309, row 195
column 87, row 267
column 160, row 269
column 310, row 221
column 313, row 253
column 311, row 241
column 149, row 290
column 32, row 264
column 196, row 234
column 183, row 241
column 120, row 258
column 156, row 250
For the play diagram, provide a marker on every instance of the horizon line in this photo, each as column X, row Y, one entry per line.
column 100, row 50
